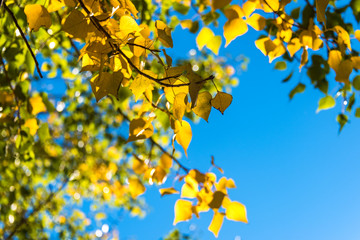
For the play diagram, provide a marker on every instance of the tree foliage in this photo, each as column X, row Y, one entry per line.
column 125, row 115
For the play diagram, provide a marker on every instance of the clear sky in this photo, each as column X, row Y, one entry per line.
column 298, row 177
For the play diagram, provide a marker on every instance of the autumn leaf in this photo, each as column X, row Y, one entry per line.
column 77, row 25
column 168, row 191
column 32, row 125
column 234, row 28
column 216, row 4
column 37, row 105
column 216, row 223
column 203, row 105
column 179, row 107
column 163, row 33
column 183, row 211
column 37, row 16
column 166, row 161
column 106, row 83
column 140, row 129
column 183, row 134
column 221, row 101
column 320, row 9
column 207, row 38
column 141, row 84
column 256, row 21
column 136, row 188
column 326, row 102
column 236, row 211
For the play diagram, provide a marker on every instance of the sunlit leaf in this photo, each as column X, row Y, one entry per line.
column 203, row 105
column 233, row 29
column 320, row 9
column 168, row 191
column 183, row 134
column 32, row 125
column 236, row 211
column 136, row 188
column 163, row 33
column 106, row 83
column 326, row 102
column 37, row 16
column 166, row 161
column 216, row 223
column 140, row 129
column 221, row 101
column 141, row 84
column 37, row 105
column 182, row 211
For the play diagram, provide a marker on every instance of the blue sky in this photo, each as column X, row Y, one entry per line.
column 298, row 177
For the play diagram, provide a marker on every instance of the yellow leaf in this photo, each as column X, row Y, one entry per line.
column 140, row 129
column 334, row 59
column 139, row 166
column 217, row 4
column 188, row 191
column 128, row 25
column 236, row 211
column 183, row 134
column 233, row 29
column 179, row 106
column 344, row 71
column 214, row 44
column 278, row 51
column 249, row 7
column 171, row 92
column 320, row 9
column 265, row 45
column 230, row 183
column 168, row 191
column 304, row 58
column 32, row 125
column 204, row 36
column 37, row 105
column 357, row 35
column 216, row 223
column 163, row 33
column 183, row 211
column 270, row 5
column 141, row 84
column 166, row 161
column 136, row 188
column 77, row 25
column 159, row 175
column 195, row 86
column 203, row 105
column 257, row 22
column 37, row 16
column 343, row 36
column 356, row 62
column 234, row 11
column 106, row 83
column 221, row 101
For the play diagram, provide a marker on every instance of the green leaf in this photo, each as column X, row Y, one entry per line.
column 298, row 89
column 181, row 8
column 288, row 77
column 350, row 103
column 43, row 132
column 342, row 119
column 357, row 113
column 356, row 82
column 295, row 13
column 280, row 65
column 326, row 102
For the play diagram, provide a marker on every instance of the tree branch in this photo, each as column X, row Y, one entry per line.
column 24, row 37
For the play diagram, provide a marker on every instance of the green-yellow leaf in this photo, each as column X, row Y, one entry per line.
column 163, row 33
column 107, row 83
column 179, row 106
column 37, row 105
column 320, row 9
column 214, row 44
column 216, row 223
column 221, row 101
column 183, row 211
column 326, row 102
column 203, row 105
column 37, row 16
column 236, row 211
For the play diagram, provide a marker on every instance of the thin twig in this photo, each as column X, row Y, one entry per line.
column 24, row 37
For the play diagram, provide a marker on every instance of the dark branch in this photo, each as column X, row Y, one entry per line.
column 24, row 37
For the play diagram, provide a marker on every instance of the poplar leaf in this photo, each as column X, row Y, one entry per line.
column 203, row 105
column 343, row 36
column 32, row 125
column 342, row 119
column 77, row 25
column 166, row 161
column 204, row 36
column 217, row 4
column 37, row 16
column 216, row 223
column 334, row 59
column 320, row 9
column 179, row 106
column 344, row 70
column 163, row 33
column 256, row 21
column 136, row 188
column 221, row 101
column 168, row 191
column 249, row 7
column 189, row 191
column 141, row 84
column 183, row 134
column 356, row 82
column 140, row 129
column 357, row 35
column 37, row 105
column 294, row 46
column 214, row 44
column 139, row 166
column 233, row 29
column 106, row 83
column 326, row 102
column 300, row 88
column 182, row 211
column 236, row 211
